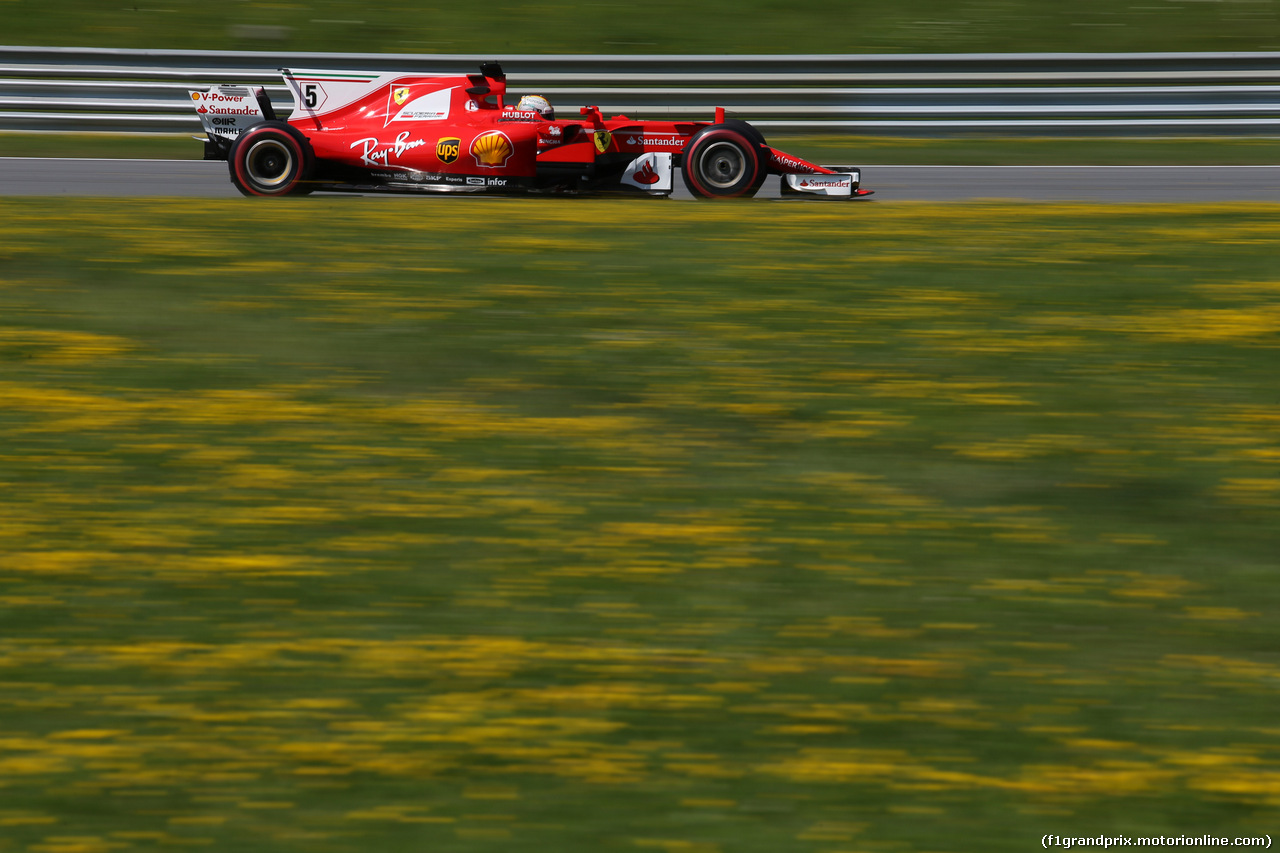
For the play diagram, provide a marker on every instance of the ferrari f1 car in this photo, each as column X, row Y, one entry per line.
column 413, row 133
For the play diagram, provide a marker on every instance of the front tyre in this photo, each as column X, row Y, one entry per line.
column 270, row 159
column 721, row 162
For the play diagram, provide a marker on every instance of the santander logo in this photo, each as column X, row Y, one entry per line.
column 646, row 175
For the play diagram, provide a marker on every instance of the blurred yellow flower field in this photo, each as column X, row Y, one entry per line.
column 367, row 524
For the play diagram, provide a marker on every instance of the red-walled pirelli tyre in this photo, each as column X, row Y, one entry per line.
column 757, row 138
column 270, row 159
column 747, row 130
column 722, row 162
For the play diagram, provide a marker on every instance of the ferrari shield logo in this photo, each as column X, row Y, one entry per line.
column 400, row 95
column 603, row 139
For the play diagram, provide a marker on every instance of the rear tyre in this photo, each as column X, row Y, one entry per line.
column 270, row 159
column 722, row 162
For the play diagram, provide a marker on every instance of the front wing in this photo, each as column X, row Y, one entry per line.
column 839, row 182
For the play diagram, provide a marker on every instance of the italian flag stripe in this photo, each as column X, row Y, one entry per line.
column 338, row 78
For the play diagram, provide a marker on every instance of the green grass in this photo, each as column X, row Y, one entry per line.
column 850, row 150
column 528, row 525
column 662, row 26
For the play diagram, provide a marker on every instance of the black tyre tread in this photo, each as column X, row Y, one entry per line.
column 746, row 129
column 746, row 143
column 753, row 133
column 307, row 158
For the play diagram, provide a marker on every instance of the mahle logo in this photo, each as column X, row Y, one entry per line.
column 447, row 149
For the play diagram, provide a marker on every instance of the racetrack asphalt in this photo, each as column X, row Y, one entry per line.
column 30, row 176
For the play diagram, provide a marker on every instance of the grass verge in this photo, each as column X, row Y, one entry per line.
column 581, row 525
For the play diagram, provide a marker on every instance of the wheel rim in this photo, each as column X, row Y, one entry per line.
column 722, row 164
column 269, row 162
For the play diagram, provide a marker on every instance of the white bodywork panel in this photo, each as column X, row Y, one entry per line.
column 838, row 185
column 651, row 172
column 318, row 93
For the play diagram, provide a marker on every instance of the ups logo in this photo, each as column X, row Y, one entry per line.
column 447, row 149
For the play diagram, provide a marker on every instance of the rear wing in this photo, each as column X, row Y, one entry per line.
column 226, row 112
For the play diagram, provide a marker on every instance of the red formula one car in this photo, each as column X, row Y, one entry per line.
column 413, row 133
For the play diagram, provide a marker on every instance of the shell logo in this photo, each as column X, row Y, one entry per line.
column 492, row 150
column 195, row 96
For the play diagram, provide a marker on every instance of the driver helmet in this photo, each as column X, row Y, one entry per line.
column 538, row 104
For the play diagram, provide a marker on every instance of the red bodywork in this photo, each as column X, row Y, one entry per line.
column 457, row 133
